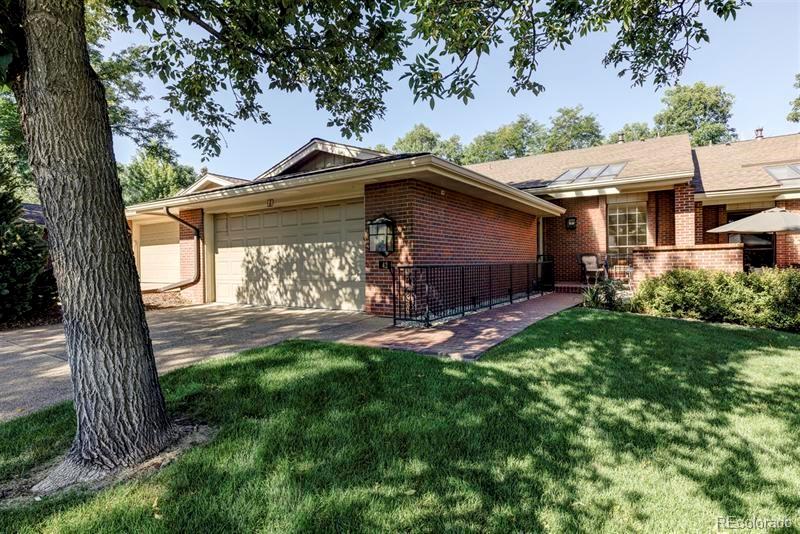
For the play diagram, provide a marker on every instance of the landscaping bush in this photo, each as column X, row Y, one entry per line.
column 27, row 285
column 603, row 294
column 769, row 298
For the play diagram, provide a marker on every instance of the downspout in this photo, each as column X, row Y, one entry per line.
column 196, row 276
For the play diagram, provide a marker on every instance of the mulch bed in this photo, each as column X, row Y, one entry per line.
column 52, row 316
column 152, row 301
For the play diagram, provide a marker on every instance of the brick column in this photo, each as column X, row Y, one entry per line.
column 196, row 293
column 685, row 230
column 788, row 244
column 652, row 218
column 699, row 232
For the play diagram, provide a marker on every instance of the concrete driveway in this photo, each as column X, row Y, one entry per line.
column 33, row 363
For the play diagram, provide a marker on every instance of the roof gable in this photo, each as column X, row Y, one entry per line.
column 318, row 154
column 742, row 164
column 209, row 182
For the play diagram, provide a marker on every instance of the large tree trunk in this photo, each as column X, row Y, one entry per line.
column 118, row 401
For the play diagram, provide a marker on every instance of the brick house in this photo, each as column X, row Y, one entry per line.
column 296, row 235
column 649, row 204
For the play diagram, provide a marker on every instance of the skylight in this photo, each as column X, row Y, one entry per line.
column 594, row 173
column 783, row 173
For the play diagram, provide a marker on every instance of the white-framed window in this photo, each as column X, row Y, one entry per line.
column 627, row 227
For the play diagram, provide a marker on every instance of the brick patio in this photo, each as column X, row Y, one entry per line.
column 468, row 337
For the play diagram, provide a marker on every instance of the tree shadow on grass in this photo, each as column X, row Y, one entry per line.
column 317, row 436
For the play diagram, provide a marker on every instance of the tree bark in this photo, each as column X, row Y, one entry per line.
column 118, row 401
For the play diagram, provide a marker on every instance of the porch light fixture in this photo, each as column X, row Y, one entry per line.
column 571, row 223
column 381, row 232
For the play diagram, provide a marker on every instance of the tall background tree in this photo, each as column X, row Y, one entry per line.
column 153, row 174
column 571, row 128
column 523, row 137
column 122, row 76
column 422, row 139
column 632, row 131
column 703, row 111
column 340, row 51
column 794, row 112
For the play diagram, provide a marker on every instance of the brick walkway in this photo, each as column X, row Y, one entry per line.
column 466, row 338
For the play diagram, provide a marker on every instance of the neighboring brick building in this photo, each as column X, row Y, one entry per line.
column 297, row 234
column 669, row 195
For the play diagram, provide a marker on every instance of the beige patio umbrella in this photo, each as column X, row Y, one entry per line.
column 769, row 221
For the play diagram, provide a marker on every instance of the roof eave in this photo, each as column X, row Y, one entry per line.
column 384, row 170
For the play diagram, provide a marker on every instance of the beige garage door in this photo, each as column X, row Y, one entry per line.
column 159, row 254
column 309, row 256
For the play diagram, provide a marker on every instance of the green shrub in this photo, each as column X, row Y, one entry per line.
column 769, row 298
column 603, row 294
column 26, row 281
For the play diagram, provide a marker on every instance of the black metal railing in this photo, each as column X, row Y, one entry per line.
column 428, row 293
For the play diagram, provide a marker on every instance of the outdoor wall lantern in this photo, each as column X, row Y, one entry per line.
column 381, row 233
column 571, row 223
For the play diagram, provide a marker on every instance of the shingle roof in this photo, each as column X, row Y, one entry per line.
column 653, row 157
column 740, row 165
column 282, row 177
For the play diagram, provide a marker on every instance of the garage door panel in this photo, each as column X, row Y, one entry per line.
column 302, row 257
column 159, row 254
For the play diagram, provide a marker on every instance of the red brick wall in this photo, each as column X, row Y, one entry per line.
column 684, row 215
column 435, row 226
column 654, row 261
column 788, row 244
column 589, row 237
column 713, row 216
column 196, row 293
column 665, row 217
column 395, row 199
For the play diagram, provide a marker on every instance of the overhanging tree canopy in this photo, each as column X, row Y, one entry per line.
column 339, row 50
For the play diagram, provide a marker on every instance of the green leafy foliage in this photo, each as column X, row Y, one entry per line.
column 703, row 111
column 152, row 175
column 342, row 50
column 604, row 293
column 26, row 280
column 794, row 113
column 422, row 139
column 632, row 131
column 121, row 73
column 571, row 128
column 523, row 137
column 768, row 298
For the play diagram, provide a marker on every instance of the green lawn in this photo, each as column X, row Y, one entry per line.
column 587, row 421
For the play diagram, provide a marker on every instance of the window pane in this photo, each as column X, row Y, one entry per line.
column 568, row 176
column 613, row 170
column 591, row 173
column 784, row 172
column 627, row 228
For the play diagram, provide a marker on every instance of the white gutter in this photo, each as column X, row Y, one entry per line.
column 386, row 169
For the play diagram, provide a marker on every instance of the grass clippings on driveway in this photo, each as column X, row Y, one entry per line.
column 586, row 421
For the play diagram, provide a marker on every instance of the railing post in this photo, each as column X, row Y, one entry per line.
column 491, row 288
column 427, row 296
column 528, row 280
column 511, row 283
column 395, row 291
column 463, row 293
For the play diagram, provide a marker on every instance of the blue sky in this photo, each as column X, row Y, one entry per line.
column 754, row 57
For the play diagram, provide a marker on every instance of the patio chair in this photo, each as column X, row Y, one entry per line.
column 591, row 268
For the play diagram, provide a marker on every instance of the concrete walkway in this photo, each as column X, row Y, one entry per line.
column 468, row 337
column 33, row 362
